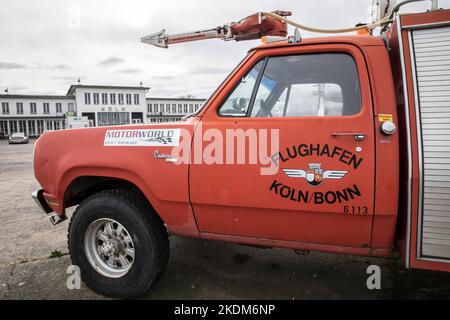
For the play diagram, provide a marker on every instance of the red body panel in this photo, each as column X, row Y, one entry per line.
column 62, row 156
column 387, row 149
column 428, row 18
column 217, row 198
column 239, row 202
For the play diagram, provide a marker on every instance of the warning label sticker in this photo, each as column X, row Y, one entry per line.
column 382, row 117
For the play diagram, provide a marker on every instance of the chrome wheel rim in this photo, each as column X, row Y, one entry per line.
column 109, row 248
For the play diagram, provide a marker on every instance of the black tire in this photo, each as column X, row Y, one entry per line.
column 144, row 226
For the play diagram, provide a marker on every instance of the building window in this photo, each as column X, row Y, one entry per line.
column 196, row 107
column 19, row 106
column 167, row 108
column 136, row 98
column 180, row 108
column 23, row 126
column 156, row 108
column 120, row 98
column 31, row 128
column 174, row 108
column 46, row 108
column 5, row 107
column 87, row 98
column 104, row 98
column 71, row 106
column 149, row 108
column 13, row 126
column 4, row 127
column 113, row 118
column 185, row 108
column 33, row 107
column 161, row 107
column 58, row 107
column 112, row 96
column 191, row 108
column 40, row 126
column 128, row 98
column 96, row 100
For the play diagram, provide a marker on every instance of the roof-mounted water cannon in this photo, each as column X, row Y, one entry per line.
column 272, row 26
column 252, row 27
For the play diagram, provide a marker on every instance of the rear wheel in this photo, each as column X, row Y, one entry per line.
column 120, row 245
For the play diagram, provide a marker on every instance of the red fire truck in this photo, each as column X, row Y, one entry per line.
column 362, row 165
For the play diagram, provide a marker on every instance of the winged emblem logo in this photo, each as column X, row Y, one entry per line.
column 314, row 175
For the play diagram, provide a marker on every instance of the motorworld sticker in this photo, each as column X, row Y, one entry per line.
column 142, row 138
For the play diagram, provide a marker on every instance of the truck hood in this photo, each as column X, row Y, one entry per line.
column 128, row 148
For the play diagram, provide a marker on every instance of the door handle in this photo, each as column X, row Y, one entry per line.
column 357, row 135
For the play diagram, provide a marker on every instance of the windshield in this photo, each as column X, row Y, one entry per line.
column 215, row 91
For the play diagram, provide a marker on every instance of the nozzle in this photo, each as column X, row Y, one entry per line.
column 157, row 39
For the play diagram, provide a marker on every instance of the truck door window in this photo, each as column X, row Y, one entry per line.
column 237, row 103
column 325, row 84
column 315, row 99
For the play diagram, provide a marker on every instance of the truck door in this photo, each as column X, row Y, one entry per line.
column 318, row 98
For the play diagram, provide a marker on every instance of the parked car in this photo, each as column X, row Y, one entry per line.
column 18, row 137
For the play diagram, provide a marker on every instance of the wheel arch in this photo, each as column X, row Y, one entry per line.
column 78, row 184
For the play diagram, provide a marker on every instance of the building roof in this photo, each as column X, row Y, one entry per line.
column 71, row 92
column 176, row 99
column 33, row 96
column 75, row 86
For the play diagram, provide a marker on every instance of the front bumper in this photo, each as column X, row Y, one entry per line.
column 38, row 197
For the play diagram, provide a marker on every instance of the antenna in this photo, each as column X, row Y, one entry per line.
column 379, row 9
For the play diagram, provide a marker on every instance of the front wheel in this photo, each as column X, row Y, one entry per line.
column 120, row 245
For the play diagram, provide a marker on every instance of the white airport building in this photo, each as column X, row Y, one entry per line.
column 102, row 105
column 109, row 105
column 171, row 109
column 32, row 114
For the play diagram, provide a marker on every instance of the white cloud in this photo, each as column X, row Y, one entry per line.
column 72, row 37
column 11, row 65
column 113, row 60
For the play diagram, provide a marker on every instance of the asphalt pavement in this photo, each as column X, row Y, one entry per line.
column 34, row 260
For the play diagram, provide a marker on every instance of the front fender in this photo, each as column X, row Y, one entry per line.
column 61, row 157
column 177, row 215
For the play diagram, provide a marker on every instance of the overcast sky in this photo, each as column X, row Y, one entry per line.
column 47, row 45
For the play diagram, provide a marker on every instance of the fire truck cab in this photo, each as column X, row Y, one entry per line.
column 327, row 97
